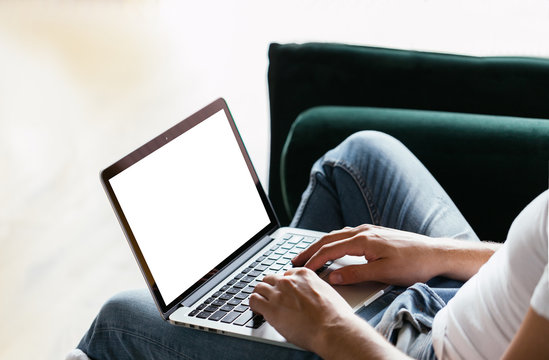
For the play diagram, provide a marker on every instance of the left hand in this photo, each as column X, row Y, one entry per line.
column 301, row 307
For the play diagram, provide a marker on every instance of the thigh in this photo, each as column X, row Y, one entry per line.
column 130, row 327
column 373, row 178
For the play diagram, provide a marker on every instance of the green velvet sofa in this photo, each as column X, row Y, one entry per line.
column 477, row 123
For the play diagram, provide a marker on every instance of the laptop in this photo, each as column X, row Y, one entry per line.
column 203, row 230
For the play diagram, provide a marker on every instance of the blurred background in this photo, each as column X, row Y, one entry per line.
column 84, row 82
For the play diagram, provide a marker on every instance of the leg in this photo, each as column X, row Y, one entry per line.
column 373, row 178
column 130, row 327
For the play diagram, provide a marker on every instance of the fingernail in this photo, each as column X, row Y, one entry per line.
column 336, row 278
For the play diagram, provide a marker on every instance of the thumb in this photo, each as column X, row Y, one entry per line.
column 352, row 274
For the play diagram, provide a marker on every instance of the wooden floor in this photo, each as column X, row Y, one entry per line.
column 84, row 82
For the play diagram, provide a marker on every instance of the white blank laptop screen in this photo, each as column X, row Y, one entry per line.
column 190, row 204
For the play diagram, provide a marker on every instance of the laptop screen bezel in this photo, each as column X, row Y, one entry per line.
column 152, row 146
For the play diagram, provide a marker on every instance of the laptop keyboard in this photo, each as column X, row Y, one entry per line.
column 231, row 304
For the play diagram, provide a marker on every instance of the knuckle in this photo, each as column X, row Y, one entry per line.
column 285, row 281
column 303, row 271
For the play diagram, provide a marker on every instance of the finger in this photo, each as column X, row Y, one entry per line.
column 306, row 254
column 271, row 279
column 265, row 290
column 353, row 246
column 259, row 304
column 300, row 271
column 352, row 274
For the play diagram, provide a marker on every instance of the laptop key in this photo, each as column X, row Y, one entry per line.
column 218, row 303
column 240, row 285
column 231, row 317
column 244, row 318
column 225, row 297
column 308, row 240
column 248, row 279
column 276, row 267
column 209, row 300
column 233, row 291
column 203, row 315
column 234, row 302
column 226, row 308
column 256, row 322
column 248, row 289
column 241, row 308
column 211, row 309
column 254, row 273
column 218, row 315
column 241, row 296
column 194, row 312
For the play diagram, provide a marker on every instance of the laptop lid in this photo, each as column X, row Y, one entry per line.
column 189, row 202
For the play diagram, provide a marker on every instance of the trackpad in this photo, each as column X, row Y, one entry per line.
column 356, row 295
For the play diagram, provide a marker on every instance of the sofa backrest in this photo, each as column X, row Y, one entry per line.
column 308, row 75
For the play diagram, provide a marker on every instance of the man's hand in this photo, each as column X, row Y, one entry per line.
column 394, row 256
column 301, row 306
column 311, row 314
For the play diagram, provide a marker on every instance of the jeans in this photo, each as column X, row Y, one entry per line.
column 369, row 178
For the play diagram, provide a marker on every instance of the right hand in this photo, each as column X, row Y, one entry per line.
column 394, row 256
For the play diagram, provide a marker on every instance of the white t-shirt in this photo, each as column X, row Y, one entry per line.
column 483, row 317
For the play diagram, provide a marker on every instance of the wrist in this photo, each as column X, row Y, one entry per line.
column 355, row 339
column 458, row 259
column 335, row 338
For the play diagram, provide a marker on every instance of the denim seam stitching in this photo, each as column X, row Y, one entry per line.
column 301, row 209
column 366, row 194
column 151, row 341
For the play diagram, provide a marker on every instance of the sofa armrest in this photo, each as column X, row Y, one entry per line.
column 491, row 166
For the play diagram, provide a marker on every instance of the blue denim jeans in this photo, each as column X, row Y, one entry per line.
column 369, row 178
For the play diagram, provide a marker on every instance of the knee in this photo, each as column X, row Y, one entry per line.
column 369, row 140
column 125, row 305
column 364, row 145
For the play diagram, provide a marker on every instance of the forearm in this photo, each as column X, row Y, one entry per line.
column 356, row 339
column 460, row 260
